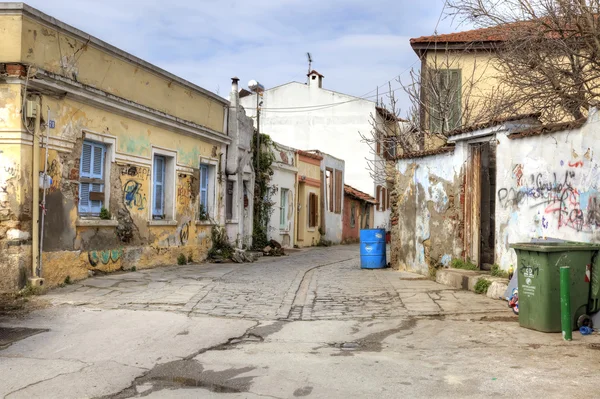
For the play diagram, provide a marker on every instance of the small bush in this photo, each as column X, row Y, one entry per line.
column 133, row 269
column 30, row 290
column 497, row 272
column 482, row 285
column 68, row 280
column 181, row 260
column 104, row 214
column 461, row 264
column 190, row 259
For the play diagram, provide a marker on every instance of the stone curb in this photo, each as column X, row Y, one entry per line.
column 466, row 280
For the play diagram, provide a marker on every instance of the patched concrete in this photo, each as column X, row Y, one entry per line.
column 309, row 325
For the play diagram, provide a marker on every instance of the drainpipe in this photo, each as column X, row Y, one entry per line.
column 233, row 129
column 35, row 235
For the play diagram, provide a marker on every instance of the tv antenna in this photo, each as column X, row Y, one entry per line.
column 309, row 61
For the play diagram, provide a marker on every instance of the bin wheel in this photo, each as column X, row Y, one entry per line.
column 585, row 320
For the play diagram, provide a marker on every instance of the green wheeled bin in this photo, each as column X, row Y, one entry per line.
column 538, row 266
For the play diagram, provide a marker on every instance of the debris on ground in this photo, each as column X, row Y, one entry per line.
column 273, row 249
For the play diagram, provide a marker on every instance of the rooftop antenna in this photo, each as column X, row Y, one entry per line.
column 309, row 62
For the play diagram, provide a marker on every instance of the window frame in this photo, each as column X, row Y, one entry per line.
column 442, row 79
column 329, row 184
column 92, row 178
column 283, row 208
column 313, row 210
column 169, row 187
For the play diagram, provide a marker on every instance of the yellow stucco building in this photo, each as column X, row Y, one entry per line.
column 136, row 156
column 309, row 187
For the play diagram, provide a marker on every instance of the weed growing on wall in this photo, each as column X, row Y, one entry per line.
column 497, row 272
column 482, row 285
column 461, row 264
column 221, row 247
column 263, row 192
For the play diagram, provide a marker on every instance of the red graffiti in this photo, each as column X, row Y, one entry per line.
column 578, row 164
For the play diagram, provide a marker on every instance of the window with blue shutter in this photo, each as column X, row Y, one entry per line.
column 158, row 203
column 204, row 187
column 91, row 178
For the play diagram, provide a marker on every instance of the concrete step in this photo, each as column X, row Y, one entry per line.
column 466, row 280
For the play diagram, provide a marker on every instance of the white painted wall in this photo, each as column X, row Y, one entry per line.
column 333, row 130
column 547, row 186
column 284, row 177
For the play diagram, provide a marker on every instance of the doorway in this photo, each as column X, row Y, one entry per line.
column 480, row 204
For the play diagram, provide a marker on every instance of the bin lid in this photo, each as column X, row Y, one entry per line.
column 554, row 246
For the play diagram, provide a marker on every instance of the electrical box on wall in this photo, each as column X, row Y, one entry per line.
column 31, row 109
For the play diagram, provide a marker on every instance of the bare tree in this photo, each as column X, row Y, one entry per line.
column 443, row 97
column 548, row 59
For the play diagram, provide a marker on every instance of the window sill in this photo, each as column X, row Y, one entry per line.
column 205, row 223
column 284, row 231
column 232, row 221
column 162, row 222
column 97, row 223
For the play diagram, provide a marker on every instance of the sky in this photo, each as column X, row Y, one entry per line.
column 358, row 45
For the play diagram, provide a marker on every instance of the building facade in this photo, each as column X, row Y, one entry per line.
column 304, row 115
column 308, row 189
column 359, row 213
column 282, row 223
column 137, row 157
column 332, row 196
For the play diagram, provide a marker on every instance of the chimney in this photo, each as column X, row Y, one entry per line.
column 315, row 80
column 234, row 96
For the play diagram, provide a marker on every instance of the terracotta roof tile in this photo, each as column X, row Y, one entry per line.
column 492, row 34
column 351, row 191
column 309, row 155
column 549, row 128
column 493, row 122
column 427, row 153
column 315, row 72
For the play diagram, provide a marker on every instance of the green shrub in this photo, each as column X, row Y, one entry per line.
column 461, row 264
column 68, row 280
column 497, row 272
column 181, row 260
column 104, row 214
column 482, row 285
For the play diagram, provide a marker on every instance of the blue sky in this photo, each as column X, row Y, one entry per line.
column 356, row 44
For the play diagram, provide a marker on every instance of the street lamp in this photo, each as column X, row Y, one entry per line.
column 257, row 89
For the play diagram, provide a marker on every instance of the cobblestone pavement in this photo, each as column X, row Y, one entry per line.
column 309, row 324
column 313, row 284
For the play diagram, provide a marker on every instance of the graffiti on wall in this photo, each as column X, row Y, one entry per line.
column 134, row 197
column 136, row 172
column 568, row 197
column 184, row 233
column 104, row 257
column 185, row 191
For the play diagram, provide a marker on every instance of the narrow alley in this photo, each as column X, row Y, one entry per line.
column 309, row 324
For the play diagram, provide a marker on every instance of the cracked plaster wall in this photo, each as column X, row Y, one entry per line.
column 426, row 212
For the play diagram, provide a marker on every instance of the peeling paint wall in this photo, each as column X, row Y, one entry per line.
column 15, row 192
column 74, row 245
column 427, row 211
column 29, row 40
column 548, row 186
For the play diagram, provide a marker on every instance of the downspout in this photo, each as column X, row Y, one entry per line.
column 35, row 235
column 233, row 129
